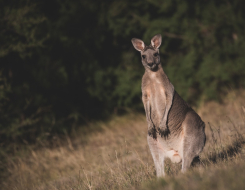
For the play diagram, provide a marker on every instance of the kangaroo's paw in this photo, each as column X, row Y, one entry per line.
column 163, row 130
column 152, row 131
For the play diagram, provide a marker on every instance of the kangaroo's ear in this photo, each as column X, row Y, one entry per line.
column 156, row 41
column 138, row 44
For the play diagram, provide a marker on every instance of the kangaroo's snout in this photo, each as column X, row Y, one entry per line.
column 151, row 61
column 150, row 64
column 153, row 65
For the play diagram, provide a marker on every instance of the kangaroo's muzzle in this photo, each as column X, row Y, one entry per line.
column 152, row 65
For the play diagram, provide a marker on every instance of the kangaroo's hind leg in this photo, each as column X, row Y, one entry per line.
column 157, row 155
column 194, row 139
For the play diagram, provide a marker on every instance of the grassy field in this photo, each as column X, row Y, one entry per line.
column 115, row 155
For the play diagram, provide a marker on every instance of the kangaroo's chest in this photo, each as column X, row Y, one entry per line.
column 156, row 95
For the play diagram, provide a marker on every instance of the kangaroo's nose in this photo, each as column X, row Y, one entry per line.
column 150, row 64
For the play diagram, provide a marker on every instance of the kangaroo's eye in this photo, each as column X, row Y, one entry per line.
column 143, row 56
column 155, row 54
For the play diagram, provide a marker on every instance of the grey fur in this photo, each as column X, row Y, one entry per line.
column 175, row 130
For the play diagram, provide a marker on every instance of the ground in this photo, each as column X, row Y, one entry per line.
column 114, row 155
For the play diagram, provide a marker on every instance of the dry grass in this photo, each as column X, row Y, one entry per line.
column 118, row 157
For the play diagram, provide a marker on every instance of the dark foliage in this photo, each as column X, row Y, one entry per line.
column 65, row 62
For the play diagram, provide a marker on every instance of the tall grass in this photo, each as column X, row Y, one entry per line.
column 117, row 156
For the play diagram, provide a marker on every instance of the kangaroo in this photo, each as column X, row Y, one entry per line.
column 175, row 130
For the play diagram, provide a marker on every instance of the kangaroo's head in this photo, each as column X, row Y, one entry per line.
column 149, row 54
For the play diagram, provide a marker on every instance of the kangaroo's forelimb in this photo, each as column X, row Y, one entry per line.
column 151, row 127
column 163, row 128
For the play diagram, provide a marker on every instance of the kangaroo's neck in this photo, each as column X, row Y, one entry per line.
column 158, row 75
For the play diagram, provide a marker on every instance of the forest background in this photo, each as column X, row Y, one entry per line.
column 65, row 63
